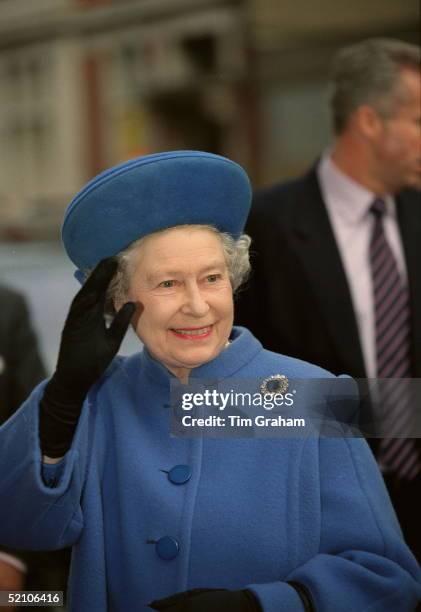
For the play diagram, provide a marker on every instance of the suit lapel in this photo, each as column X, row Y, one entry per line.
column 408, row 206
column 317, row 249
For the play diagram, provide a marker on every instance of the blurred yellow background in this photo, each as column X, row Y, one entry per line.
column 85, row 84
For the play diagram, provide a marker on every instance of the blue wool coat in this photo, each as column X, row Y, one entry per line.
column 255, row 512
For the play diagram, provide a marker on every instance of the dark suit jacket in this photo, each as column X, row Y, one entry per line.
column 298, row 301
column 20, row 364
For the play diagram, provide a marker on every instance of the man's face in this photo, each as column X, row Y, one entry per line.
column 181, row 278
column 398, row 146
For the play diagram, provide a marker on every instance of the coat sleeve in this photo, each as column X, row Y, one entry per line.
column 363, row 563
column 40, row 507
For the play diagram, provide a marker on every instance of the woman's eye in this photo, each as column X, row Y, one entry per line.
column 167, row 284
column 212, row 278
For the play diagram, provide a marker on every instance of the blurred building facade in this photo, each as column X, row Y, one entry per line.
column 88, row 83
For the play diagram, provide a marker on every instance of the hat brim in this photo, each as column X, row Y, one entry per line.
column 151, row 193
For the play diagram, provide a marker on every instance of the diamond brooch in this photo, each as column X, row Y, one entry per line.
column 274, row 385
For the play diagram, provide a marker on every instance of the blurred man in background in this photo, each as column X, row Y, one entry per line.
column 21, row 369
column 337, row 268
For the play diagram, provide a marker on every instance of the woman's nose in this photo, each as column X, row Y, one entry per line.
column 195, row 303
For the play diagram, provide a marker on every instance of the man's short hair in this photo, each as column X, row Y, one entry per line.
column 368, row 72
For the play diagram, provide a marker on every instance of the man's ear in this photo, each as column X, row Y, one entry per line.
column 368, row 122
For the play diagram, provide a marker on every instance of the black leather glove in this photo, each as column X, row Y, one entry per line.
column 209, row 600
column 86, row 350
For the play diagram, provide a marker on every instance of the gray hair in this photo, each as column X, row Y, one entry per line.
column 236, row 252
column 369, row 72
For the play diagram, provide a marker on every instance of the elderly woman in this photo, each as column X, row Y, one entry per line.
column 185, row 524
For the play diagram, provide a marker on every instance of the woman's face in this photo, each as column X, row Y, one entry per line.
column 181, row 278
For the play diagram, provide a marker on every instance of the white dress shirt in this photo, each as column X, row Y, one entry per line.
column 348, row 206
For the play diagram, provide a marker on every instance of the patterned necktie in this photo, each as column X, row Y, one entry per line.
column 397, row 454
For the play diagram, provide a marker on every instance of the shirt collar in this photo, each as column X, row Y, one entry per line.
column 349, row 199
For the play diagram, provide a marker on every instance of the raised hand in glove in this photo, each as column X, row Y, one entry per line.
column 86, row 350
column 209, row 600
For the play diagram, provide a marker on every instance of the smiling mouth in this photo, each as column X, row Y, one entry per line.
column 189, row 333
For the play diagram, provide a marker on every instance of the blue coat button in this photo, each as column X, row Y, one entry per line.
column 167, row 548
column 179, row 474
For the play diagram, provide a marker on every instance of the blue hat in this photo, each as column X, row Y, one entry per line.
column 151, row 193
